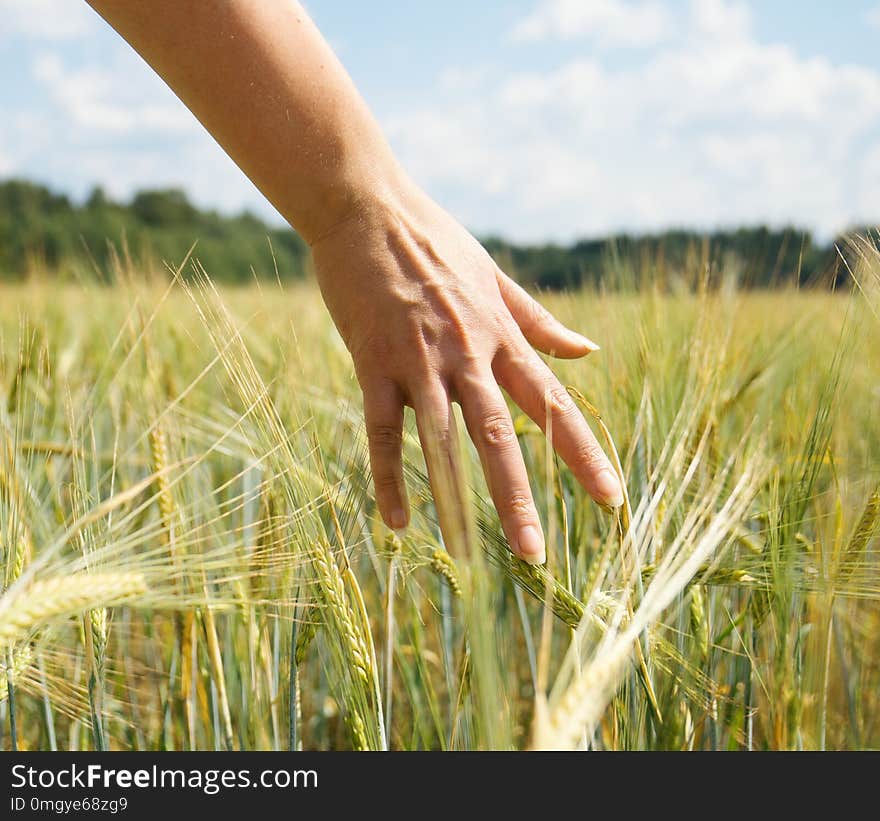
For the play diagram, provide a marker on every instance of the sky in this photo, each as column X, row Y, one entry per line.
column 536, row 120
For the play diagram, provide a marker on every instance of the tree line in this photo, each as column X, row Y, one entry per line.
column 44, row 231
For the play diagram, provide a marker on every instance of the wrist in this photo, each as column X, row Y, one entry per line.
column 354, row 192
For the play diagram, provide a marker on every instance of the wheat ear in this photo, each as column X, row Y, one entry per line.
column 41, row 602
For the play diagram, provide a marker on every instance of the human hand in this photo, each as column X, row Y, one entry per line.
column 429, row 318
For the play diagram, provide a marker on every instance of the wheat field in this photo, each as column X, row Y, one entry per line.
column 192, row 557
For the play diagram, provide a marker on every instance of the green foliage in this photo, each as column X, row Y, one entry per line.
column 45, row 231
column 41, row 230
column 757, row 257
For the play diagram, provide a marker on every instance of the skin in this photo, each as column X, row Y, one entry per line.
column 427, row 315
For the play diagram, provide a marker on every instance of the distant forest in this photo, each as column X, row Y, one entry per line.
column 42, row 231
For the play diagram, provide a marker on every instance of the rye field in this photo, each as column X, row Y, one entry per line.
column 191, row 557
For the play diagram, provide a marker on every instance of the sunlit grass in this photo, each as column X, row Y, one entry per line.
column 192, row 558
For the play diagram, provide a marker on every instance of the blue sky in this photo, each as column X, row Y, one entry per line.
column 534, row 119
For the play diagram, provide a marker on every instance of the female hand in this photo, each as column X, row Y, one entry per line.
column 430, row 319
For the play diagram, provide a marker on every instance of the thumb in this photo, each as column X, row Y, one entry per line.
column 543, row 330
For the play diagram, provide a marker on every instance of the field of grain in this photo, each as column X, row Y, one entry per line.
column 192, row 558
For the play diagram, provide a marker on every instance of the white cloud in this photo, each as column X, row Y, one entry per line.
column 45, row 19
column 116, row 123
column 713, row 127
column 721, row 19
column 100, row 99
column 609, row 22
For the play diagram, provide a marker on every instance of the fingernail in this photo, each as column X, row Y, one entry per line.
column 591, row 346
column 400, row 532
column 530, row 545
column 398, row 519
column 608, row 488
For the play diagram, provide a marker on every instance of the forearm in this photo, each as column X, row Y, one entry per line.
column 263, row 81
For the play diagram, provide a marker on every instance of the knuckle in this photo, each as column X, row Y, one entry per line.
column 509, row 338
column 385, row 437
column 496, row 430
column 558, row 401
column 590, row 455
column 519, row 504
column 469, row 357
